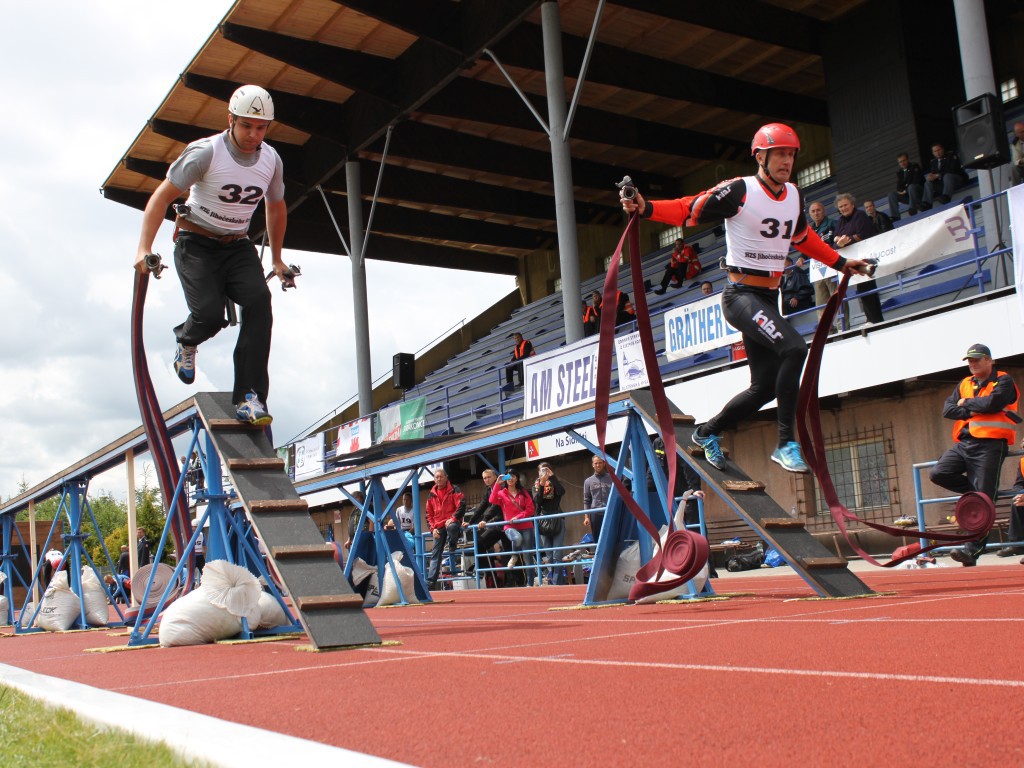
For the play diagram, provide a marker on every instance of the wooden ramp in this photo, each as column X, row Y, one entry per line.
column 822, row 569
column 330, row 612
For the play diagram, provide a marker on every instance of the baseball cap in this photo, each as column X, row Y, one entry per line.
column 978, row 350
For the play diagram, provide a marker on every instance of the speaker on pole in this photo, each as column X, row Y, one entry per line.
column 403, row 371
column 980, row 133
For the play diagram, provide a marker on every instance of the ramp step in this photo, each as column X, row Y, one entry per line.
column 743, row 485
column 682, row 418
column 293, row 551
column 225, row 424
column 278, row 505
column 326, row 602
column 256, row 463
column 782, row 522
column 823, row 562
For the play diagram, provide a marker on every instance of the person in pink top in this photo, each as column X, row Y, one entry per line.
column 516, row 505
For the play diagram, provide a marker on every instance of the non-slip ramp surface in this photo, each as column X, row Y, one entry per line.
column 330, row 612
column 825, row 572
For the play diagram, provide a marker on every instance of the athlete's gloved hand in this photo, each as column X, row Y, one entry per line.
column 859, row 267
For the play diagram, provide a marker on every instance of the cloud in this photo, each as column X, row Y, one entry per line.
column 65, row 366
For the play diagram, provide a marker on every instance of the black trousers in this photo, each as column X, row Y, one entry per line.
column 871, row 305
column 516, row 369
column 450, row 534
column 775, row 356
column 973, row 464
column 211, row 273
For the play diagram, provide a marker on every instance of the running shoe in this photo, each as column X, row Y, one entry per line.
column 253, row 411
column 790, row 459
column 185, row 363
column 712, row 450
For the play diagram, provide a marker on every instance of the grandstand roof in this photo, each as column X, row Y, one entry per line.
column 671, row 88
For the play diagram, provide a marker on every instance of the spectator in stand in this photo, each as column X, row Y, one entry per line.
column 1016, row 532
column 909, row 187
column 406, row 519
column 797, row 292
column 515, row 504
column 852, row 227
column 624, row 312
column 591, row 318
column 983, row 407
column 879, row 220
column 522, row 350
column 487, row 536
column 683, row 265
column 200, row 549
column 142, row 543
column 1017, row 154
column 446, row 507
column 706, row 288
column 945, row 175
column 826, row 230
column 596, row 490
column 547, row 500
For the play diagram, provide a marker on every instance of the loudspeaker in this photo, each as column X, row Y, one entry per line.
column 403, row 371
column 980, row 133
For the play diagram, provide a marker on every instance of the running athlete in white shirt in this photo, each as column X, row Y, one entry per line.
column 763, row 219
column 227, row 175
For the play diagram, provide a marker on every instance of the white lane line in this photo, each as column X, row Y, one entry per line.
column 192, row 735
column 818, row 673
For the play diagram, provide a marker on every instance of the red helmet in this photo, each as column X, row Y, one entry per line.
column 774, row 136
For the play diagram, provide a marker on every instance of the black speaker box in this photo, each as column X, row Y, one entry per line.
column 980, row 133
column 404, row 371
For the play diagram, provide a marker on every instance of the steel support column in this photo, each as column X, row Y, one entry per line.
column 360, row 307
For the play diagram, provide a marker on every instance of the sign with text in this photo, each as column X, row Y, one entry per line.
column 309, row 457
column 697, row 327
column 354, row 436
column 402, row 421
column 632, row 368
column 560, row 379
column 917, row 243
column 562, row 442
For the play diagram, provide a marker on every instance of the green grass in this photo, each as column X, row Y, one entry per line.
column 33, row 734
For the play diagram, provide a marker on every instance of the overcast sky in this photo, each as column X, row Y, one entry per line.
column 80, row 80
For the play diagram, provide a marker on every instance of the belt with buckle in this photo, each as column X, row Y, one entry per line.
column 754, row 281
column 189, row 226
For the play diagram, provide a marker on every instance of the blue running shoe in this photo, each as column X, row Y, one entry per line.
column 789, row 458
column 185, row 363
column 712, row 450
column 253, row 411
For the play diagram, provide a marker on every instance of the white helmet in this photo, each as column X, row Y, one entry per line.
column 252, row 101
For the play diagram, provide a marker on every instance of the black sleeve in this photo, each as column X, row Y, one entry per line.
column 1003, row 394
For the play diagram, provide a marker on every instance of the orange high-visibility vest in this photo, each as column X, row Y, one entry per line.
column 990, row 425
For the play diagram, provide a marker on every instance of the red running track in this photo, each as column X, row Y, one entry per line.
column 928, row 675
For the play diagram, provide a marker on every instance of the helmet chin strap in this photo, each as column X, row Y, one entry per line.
column 764, row 167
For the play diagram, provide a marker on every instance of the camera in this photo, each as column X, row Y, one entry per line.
column 628, row 188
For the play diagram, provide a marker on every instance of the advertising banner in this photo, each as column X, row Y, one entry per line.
column 560, row 379
column 354, row 436
column 309, row 457
column 697, row 327
column 632, row 369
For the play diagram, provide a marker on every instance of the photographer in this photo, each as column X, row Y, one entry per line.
column 515, row 504
column 547, row 500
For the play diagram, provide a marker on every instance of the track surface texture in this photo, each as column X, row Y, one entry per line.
column 930, row 674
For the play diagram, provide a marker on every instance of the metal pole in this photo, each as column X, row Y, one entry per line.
column 360, row 308
column 561, row 165
column 976, row 59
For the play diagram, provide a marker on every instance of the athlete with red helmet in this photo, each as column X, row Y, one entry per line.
column 764, row 218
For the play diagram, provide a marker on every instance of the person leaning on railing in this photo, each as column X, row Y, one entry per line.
column 515, row 504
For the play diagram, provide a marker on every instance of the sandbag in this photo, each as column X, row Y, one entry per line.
column 3, row 610
column 95, row 597
column 366, row 581
column 214, row 611
column 60, row 606
column 389, row 594
column 271, row 612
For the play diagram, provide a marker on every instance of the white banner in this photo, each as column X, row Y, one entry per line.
column 697, row 327
column 562, row 442
column 560, row 379
column 309, row 457
column 354, row 436
column 919, row 242
column 632, row 368
column 1015, row 199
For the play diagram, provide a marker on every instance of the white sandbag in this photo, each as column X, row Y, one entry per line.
column 271, row 612
column 214, row 611
column 625, row 572
column 193, row 620
column 234, row 589
column 389, row 594
column 95, row 596
column 60, row 606
column 364, row 572
column 3, row 611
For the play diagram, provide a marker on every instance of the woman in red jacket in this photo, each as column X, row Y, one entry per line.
column 515, row 504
